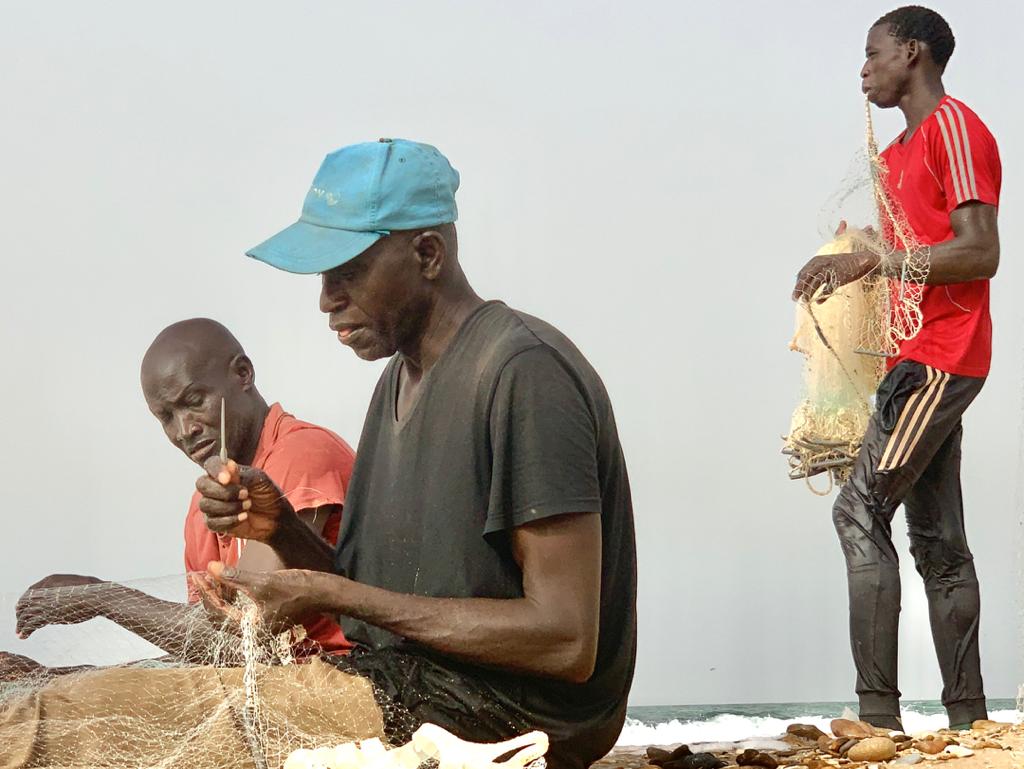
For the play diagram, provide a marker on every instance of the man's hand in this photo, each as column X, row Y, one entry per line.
column 283, row 597
column 60, row 599
column 217, row 601
column 834, row 270
column 241, row 501
column 831, row 271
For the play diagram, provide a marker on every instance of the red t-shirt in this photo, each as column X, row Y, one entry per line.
column 951, row 159
column 312, row 466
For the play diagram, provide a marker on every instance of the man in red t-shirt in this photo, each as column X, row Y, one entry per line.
column 186, row 372
column 943, row 174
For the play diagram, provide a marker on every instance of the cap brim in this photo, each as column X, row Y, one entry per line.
column 306, row 248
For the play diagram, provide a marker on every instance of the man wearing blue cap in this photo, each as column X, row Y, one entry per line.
column 486, row 567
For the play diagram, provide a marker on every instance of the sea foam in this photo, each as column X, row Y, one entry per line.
column 732, row 730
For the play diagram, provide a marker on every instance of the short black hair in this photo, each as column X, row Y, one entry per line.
column 915, row 22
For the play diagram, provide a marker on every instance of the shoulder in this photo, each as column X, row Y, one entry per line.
column 955, row 125
column 552, row 346
column 510, row 333
column 545, row 354
column 964, row 113
column 310, row 446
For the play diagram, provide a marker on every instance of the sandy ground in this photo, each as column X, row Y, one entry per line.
column 1010, row 755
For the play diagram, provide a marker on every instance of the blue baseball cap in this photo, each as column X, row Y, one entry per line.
column 360, row 194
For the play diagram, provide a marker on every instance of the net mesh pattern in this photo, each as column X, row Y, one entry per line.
column 207, row 695
column 846, row 333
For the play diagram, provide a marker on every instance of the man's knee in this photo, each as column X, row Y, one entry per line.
column 942, row 563
column 862, row 524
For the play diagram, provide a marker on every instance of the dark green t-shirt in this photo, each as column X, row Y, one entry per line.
column 511, row 425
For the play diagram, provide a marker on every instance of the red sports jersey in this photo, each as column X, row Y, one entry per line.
column 950, row 159
column 312, row 466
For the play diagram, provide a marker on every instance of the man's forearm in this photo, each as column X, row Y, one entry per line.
column 971, row 254
column 954, row 261
column 299, row 547
column 511, row 634
column 181, row 630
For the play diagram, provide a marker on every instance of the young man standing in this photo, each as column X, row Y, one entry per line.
column 943, row 175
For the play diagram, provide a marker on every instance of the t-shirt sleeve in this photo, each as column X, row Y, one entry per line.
column 966, row 158
column 311, row 467
column 192, row 549
column 543, row 443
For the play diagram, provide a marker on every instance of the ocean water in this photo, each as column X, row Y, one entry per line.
column 760, row 725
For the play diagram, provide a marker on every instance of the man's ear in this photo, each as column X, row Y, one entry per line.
column 241, row 367
column 914, row 50
column 432, row 252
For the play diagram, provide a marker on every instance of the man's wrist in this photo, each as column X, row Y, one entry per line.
column 330, row 591
column 872, row 261
column 284, row 530
column 287, row 534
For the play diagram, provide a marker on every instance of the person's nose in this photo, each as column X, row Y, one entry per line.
column 332, row 298
column 187, row 427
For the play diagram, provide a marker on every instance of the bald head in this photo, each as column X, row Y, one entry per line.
column 188, row 369
column 194, row 338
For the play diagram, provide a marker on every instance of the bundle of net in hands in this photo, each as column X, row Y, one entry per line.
column 227, row 695
column 846, row 333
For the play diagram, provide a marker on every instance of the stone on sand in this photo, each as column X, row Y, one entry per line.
column 805, row 731
column 909, row 759
column 751, row 757
column 842, row 727
column 655, row 753
column 931, row 747
column 959, row 751
column 845, row 747
column 873, row 749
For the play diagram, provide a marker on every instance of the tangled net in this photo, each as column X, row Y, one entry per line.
column 847, row 336
column 827, row 426
column 231, row 695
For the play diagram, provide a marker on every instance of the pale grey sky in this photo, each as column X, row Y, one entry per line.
column 647, row 176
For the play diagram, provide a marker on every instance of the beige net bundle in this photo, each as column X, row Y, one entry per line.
column 232, row 696
column 827, row 426
column 846, row 333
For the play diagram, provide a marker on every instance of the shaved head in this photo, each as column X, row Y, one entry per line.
column 196, row 337
column 189, row 369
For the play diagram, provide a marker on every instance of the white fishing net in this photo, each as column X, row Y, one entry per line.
column 230, row 695
column 846, row 333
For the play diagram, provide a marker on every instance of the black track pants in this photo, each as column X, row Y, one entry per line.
column 911, row 455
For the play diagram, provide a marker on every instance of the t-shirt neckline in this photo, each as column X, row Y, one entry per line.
column 899, row 139
column 396, row 423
